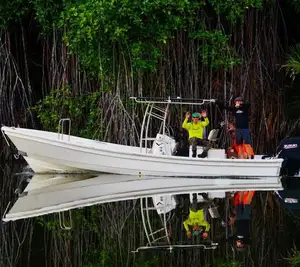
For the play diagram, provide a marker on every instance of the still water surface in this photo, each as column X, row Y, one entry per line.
column 119, row 233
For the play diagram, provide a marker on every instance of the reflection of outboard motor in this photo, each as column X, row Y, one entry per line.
column 289, row 150
column 290, row 197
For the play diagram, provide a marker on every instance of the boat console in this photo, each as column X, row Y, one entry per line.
column 165, row 145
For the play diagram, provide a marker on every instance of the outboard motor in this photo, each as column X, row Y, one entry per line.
column 289, row 150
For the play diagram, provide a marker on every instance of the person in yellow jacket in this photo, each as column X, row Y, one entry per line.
column 197, row 222
column 195, row 129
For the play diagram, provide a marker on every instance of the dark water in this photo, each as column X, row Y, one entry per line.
column 106, row 234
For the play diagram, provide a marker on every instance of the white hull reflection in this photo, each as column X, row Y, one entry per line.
column 46, row 194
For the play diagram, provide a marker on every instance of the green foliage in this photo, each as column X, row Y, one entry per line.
column 84, row 220
column 145, row 56
column 292, row 65
column 103, row 258
column 101, row 32
column 292, row 68
column 153, row 261
column 233, row 9
column 226, row 263
column 96, row 254
column 12, row 11
column 106, row 258
column 139, row 28
column 294, row 260
column 296, row 4
column 215, row 51
column 48, row 223
column 47, row 13
column 51, row 223
column 83, row 110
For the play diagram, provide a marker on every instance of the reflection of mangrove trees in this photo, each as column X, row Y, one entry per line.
column 83, row 59
column 106, row 235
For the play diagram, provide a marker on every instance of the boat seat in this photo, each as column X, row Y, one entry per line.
column 213, row 135
column 196, row 197
column 208, row 208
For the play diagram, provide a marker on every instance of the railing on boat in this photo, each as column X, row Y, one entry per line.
column 62, row 220
column 172, row 100
column 150, row 234
column 60, row 130
column 157, row 112
column 161, row 239
column 171, row 248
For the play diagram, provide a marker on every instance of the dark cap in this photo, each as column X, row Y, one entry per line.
column 239, row 98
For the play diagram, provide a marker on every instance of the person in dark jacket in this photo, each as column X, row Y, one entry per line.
column 242, row 129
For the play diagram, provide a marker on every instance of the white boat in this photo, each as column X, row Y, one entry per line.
column 46, row 194
column 48, row 152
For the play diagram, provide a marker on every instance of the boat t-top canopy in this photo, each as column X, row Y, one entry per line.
column 173, row 100
column 153, row 110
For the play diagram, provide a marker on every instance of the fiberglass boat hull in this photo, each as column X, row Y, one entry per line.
column 44, row 152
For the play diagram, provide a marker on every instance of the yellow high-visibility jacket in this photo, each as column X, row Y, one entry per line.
column 195, row 130
column 196, row 218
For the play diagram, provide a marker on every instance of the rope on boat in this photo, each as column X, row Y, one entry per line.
column 5, row 211
column 4, row 135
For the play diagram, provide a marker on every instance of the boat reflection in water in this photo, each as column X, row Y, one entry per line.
column 289, row 197
column 168, row 198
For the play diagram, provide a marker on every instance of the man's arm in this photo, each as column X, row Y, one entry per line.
column 245, row 105
column 186, row 125
column 206, row 224
column 222, row 106
column 186, row 224
column 231, row 109
column 205, row 122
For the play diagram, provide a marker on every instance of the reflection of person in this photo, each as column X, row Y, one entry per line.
column 242, row 218
column 196, row 223
column 195, row 129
